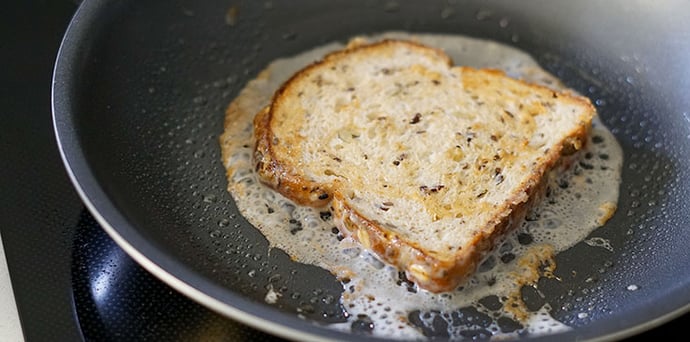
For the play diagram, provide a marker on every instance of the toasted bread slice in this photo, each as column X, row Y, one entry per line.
column 425, row 164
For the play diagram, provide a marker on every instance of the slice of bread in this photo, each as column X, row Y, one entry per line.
column 425, row 164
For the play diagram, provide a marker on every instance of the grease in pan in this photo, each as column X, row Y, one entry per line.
column 374, row 292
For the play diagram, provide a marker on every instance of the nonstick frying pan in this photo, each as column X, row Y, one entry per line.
column 140, row 88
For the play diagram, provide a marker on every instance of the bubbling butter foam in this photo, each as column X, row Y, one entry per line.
column 379, row 298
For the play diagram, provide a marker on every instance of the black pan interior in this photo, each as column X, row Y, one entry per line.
column 139, row 94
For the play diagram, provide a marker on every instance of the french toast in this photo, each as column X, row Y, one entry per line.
column 426, row 164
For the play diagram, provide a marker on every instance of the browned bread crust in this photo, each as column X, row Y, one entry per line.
column 280, row 166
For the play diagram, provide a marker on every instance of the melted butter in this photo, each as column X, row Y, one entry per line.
column 581, row 199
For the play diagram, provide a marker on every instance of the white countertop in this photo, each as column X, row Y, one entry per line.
column 10, row 328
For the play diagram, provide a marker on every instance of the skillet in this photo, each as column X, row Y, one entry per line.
column 139, row 91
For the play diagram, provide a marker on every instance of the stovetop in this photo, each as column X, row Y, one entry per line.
column 71, row 282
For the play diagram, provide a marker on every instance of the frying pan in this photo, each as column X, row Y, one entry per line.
column 140, row 87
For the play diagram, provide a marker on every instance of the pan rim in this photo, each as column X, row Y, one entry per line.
column 159, row 263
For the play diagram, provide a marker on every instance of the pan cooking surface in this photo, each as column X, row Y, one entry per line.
column 140, row 91
column 382, row 295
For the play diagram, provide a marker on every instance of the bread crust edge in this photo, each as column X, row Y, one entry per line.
column 435, row 272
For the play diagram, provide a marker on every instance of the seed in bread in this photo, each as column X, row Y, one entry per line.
column 425, row 164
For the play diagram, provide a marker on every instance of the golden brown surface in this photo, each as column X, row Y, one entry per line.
column 475, row 211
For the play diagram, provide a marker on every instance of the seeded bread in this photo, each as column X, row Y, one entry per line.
column 425, row 164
